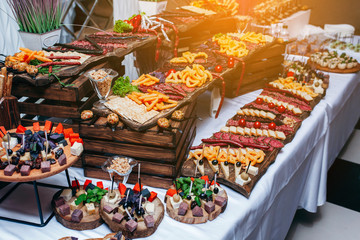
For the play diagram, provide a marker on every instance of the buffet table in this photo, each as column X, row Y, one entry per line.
column 297, row 179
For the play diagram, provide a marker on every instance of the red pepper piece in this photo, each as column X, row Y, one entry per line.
column 100, row 184
column 67, row 132
column 171, row 192
column 152, row 197
column 3, row 131
column 107, row 189
column 212, row 183
column 20, row 129
column 122, row 189
column 59, row 128
column 36, row 126
column 87, row 183
column 73, row 135
column 206, row 178
column 74, row 185
column 48, row 126
column 137, row 187
column 73, row 140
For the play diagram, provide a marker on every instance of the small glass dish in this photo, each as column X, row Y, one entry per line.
column 101, row 80
column 106, row 167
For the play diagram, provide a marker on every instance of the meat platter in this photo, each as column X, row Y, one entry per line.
column 242, row 150
column 26, row 160
column 195, row 200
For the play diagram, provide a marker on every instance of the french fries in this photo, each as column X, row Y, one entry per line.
column 153, row 100
column 191, row 77
column 26, row 55
column 146, row 80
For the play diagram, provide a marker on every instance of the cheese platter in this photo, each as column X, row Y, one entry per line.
column 24, row 157
column 195, row 200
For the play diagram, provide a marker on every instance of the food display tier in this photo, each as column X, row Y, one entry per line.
column 261, row 67
column 336, row 70
column 36, row 174
column 57, row 101
column 160, row 152
column 297, row 179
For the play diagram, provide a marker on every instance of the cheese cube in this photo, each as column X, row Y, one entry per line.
column 262, row 114
column 265, row 133
column 247, row 131
column 111, row 198
column 232, row 129
column 78, row 193
column 240, row 112
column 272, row 134
column 270, row 115
column 66, row 194
column 253, row 170
column 150, row 207
column 280, row 135
column 297, row 111
column 241, row 181
column 257, row 112
column 73, row 206
column 259, row 132
column 252, row 112
column 90, row 208
column 26, row 157
column 76, row 149
column 175, row 204
column 285, row 104
column 240, row 130
column 224, row 129
column 13, row 143
column 43, row 155
column 246, row 111
column 290, row 107
column 253, row 131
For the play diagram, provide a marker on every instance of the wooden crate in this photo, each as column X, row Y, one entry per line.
column 160, row 153
column 260, row 69
column 56, row 101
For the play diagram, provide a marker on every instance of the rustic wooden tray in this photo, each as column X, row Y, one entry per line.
column 36, row 174
column 336, row 70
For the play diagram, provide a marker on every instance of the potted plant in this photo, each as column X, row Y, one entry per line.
column 39, row 21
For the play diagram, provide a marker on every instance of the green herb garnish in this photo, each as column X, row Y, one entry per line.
column 121, row 26
column 122, row 86
column 92, row 196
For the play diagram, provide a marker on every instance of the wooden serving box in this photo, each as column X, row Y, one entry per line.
column 260, row 68
column 161, row 153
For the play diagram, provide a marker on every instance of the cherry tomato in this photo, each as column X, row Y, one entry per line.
column 242, row 122
column 272, row 126
column 281, row 108
column 271, row 105
column 218, row 68
column 257, row 125
column 231, row 64
column 231, row 59
column 170, row 71
column 259, row 101
column 290, row 74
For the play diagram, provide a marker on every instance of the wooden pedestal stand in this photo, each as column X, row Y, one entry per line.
column 9, row 112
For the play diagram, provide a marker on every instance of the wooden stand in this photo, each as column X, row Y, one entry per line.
column 9, row 112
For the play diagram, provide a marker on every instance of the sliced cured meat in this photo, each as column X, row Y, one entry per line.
column 232, row 122
column 177, row 88
column 261, row 139
column 187, row 89
column 243, row 139
column 276, row 144
column 235, row 137
column 226, row 136
column 218, row 135
column 175, row 97
column 267, row 140
column 144, row 89
column 200, row 60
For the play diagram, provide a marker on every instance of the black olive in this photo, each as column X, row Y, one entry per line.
column 10, row 152
column 216, row 190
column 226, row 163
column 138, row 212
column 127, row 218
column 201, row 162
column 188, row 197
column 203, row 196
column 193, row 204
column 214, row 162
column 3, row 165
column 37, row 166
column 238, row 164
column 52, row 161
column 15, row 160
column 115, row 210
column 126, row 204
column 142, row 211
column 18, row 153
column 135, row 219
column 210, row 198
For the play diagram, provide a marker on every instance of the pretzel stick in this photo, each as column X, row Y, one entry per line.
column 9, row 84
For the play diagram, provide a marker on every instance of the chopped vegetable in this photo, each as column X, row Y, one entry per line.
column 20, row 129
column 122, row 86
column 59, row 129
column 121, row 26
column 36, row 126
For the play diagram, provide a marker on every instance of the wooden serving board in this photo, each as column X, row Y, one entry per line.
column 141, row 230
column 165, row 113
column 87, row 223
column 188, row 170
column 189, row 218
column 36, row 174
column 336, row 70
column 69, row 71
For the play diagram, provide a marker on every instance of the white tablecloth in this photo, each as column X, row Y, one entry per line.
column 296, row 180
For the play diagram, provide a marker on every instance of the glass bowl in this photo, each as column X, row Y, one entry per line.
column 106, row 167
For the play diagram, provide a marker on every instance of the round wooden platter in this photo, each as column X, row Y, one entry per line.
column 189, row 218
column 36, row 174
column 141, row 230
column 88, row 222
column 337, row 70
column 107, row 237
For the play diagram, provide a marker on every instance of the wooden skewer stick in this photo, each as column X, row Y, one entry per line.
column 9, row 84
column 4, row 73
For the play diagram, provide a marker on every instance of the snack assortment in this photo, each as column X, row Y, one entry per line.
column 242, row 150
column 195, row 200
column 334, row 61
